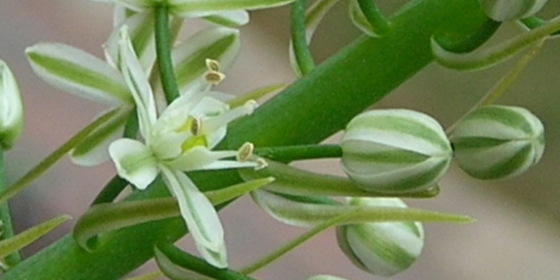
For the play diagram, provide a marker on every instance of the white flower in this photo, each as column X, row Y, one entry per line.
column 179, row 140
column 75, row 71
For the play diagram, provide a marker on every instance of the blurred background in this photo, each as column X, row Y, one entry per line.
column 517, row 235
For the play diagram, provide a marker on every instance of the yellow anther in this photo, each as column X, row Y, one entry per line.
column 213, row 65
column 245, row 152
column 214, row 77
column 196, row 125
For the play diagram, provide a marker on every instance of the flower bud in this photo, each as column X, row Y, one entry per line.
column 502, row 10
column 395, row 151
column 385, row 248
column 11, row 111
column 495, row 142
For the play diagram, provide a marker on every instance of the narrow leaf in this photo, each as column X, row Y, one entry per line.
column 29, row 236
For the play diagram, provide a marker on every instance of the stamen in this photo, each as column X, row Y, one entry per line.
column 245, row 152
column 214, row 77
column 212, row 124
column 261, row 163
column 195, row 126
column 213, row 65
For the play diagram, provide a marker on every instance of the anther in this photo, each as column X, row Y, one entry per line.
column 195, row 126
column 245, row 152
column 213, row 65
column 214, row 77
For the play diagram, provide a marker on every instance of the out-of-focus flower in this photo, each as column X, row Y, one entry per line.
column 11, row 110
column 503, row 10
column 395, row 151
column 385, row 248
column 495, row 142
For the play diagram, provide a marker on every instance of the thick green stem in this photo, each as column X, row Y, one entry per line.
column 5, row 217
column 163, row 51
column 307, row 112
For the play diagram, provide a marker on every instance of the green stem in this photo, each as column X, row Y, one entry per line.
column 111, row 190
column 163, row 52
column 300, row 152
column 190, row 262
column 468, row 43
column 7, row 227
column 54, row 157
column 378, row 22
column 295, row 181
column 302, row 54
column 295, row 243
column 534, row 22
column 310, row 110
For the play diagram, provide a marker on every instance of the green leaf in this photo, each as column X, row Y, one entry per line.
column 29, row 236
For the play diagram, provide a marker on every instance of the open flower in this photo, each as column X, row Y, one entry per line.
column 180, row 140
column 77, row 72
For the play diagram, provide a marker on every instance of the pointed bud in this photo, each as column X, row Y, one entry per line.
column 385, row 248
column 502, row 10
column 495, row 142
column 11, row 110
column 395, row 151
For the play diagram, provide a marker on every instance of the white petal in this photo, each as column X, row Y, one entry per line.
column 200, row 216
column 137, row 5
column 229, row 18
column 198, row 7
column 75, row 71
column 139, row 86
column 141, row 30
column 134, row 161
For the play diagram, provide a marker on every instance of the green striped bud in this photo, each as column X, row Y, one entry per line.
column 502, row 10
column 495, row 142
column 385, row 248
column 11, row 109
column 395, row 151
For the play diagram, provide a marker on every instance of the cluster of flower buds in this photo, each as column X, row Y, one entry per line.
column 405, row 151
column 398, row 151
column 504, row 10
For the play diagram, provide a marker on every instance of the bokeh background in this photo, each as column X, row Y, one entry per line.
column 517, row 235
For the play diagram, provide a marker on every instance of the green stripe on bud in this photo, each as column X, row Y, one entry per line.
column 395, row 151
column 385, row 248
column 496, row 142
column 11, row 109
column 502, row 10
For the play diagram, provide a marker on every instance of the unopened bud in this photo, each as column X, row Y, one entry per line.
column 11, row 110
column 395, row 151
column 495, row 142
column 384, row 248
